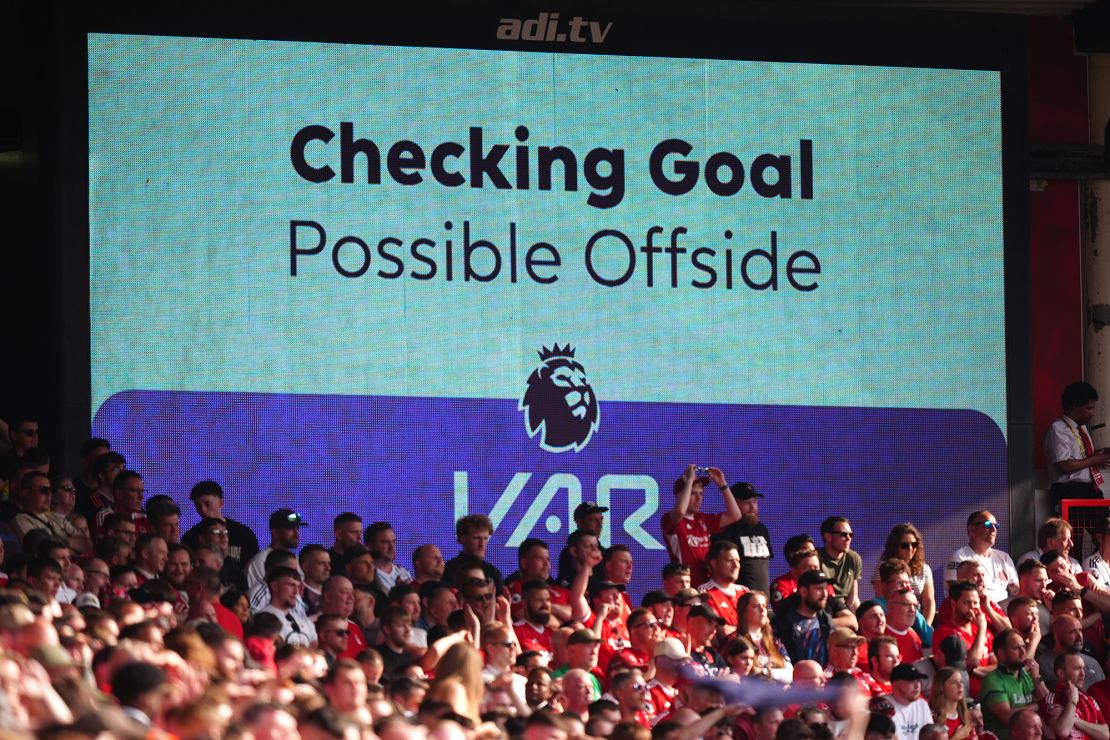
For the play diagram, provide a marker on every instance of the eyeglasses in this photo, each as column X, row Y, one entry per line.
column 845, row 535
column 987, row 524
column 650, row 625
column 907, row 545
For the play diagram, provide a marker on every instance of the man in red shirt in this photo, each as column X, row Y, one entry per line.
column 969, row 623
column 902, row 607
column 722, row 590
column 882, row 657
column 631, row 692
column 644, row 632
column 337, row 596
column 534, row 562
column 534, row 629
column 801, row 555
column 607, row 620
column 203, row 587
column 972, row 570
column 1073, row 714
column 687, row 530
column 844, row 646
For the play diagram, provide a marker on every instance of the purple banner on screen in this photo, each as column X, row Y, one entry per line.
column 422, row 462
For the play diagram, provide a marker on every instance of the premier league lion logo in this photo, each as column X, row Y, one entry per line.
column 559, row 404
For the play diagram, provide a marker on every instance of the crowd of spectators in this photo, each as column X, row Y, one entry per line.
column 114, row 623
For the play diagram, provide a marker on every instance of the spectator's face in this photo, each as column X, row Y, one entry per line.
column 37, row 493
column 583, row 655
column 339, row 598
column 61, row 556
column 726, row 567
column 701, row 630
column 97, row 576
column 385, row 544
column 618, row 568
column 1067, row 634
column 806, row 564
column 362, row 569
column 156, row 556
column 65, row 495
column 883, row 663
column 169, row 527
column 284, row 592
column 411, row 604
column 966, row 607
column 815, row 597
column 429, row 563
column 756, row 613
column 1028, row 726
column 1073, row 670
column 907, row 691
column 663, row 612
column 742, row 663
column 972, row 571
column 984, row 530
column 242, row 609
column 768, row 724
column 954, row 688
column 276, row 725
column 538, row 688
column 178, row 568
column 1012, row 653
column 1059, row 570
column 48, row 582
column 577, row 689
column 843, row 656
column 749, row 510
column 501, row 650
column 872, row 622
column 675, row 582
column 440, row 606
column 645, row 631
column 348, row 533
column 316, row 566
column 1034, row 583
column 209, row 505
column 25, row 436
column 109, row 475
column 126, row 532
column 334, row 636
column 399, row 632
column 584, row 548
column 286, row 537
column 808, row 674
column 364, row 608
column 536, row 564
column 840, row 538
column 612, row 597
column 903, row 610
column 475, row 541
column 1069, row 607
column 592, row 523
column 1063, row 543
column 209, row 557
column 696, row 493
column 129, row 496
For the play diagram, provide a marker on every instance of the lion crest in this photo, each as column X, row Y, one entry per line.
column 559, row 403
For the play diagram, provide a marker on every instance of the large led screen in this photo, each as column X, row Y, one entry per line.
column 417, row 283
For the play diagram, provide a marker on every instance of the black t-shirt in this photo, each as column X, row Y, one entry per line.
column 393, row 662
column 754, row 543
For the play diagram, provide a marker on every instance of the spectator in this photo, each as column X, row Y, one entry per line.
column 437, row 602
column 285, row 588
column 165, row 519
column 872, row 623
column 382, row 541
column 473, row 533
column 969, row 623
column 906, row 544
column 35, row 493
column 882, row 658
column 533, row 630
column 754, row 623
column 337, row 597
column 1054, row 534
column 676, row 577
column 722, row 589
column 1067, row 637
column 590, row 519
column 911, row 712
column 285, row 534
column 903, row 609
column 105, row 468
column 1033, row 584
column 208, row 498
column 1015, row 685
column 583, row 648
column 315, row 564
column 347, row 530
column 427, row 564
column 948, row 701
column 662, row 607
column 616, row 567
column 1023, row 615
column 1074, row 466
column 801, row 556
column 701, row 626
column 687, row 530
column 840, row 563
column 138, row 689
column 151, row 555
column 1000, row 573
column 334, row 637
column 630, row 690
column 535, row 565
column 23, row 435
column 1068, row 708
column 751, row 537
column 396, row 651
column 804, row 628
column 86, row 483
column 1026, row 724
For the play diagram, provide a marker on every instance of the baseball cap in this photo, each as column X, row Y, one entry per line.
column 744, row 491
column 906, row 672
column 954, row 650
column 672, row 648
column 583, row 637
column 597, row 587
column 86, row 599
column 845, row 636
column 651, row 598
column 701, row 610
column 812, row 578
column 588, row 507
column 285, row 519
column 688, row 596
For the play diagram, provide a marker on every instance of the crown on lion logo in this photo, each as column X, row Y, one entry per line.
column 557, row 351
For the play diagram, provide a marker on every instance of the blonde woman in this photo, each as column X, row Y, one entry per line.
column 948, row 701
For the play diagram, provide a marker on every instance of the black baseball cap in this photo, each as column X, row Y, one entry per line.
column 701, row 610
column 651, row 598
column 285, row 519
column 596, row 587
column 744, row 491
column 812, row 578
column 588, row 507
column 906, row 672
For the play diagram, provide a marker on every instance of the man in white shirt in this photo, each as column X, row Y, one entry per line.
column 1054, row 534
column 382, row 541
column 1001, row 575
column 1074, row 465
column 285, row 589
column 285, row 534
column 911, row 712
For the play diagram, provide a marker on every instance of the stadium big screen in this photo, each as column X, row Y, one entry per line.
column 418, row 282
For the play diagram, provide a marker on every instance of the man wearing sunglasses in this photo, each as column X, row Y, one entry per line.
column 839, row 561
column 1001, row 575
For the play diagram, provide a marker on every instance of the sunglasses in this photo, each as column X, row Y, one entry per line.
column 987, row 524
column 907, row 545
column 342, row 633
column 845, row 535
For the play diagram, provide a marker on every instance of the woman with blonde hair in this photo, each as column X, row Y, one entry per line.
column 754, row 623
column 948, row 702
column 906, row 543
column 458, row 681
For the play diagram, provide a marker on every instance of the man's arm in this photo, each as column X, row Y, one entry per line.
column 682, row 500
column 996, row 619
column 1061, row 444
column 979, row 644
column 732, row 509
column 579, row 604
